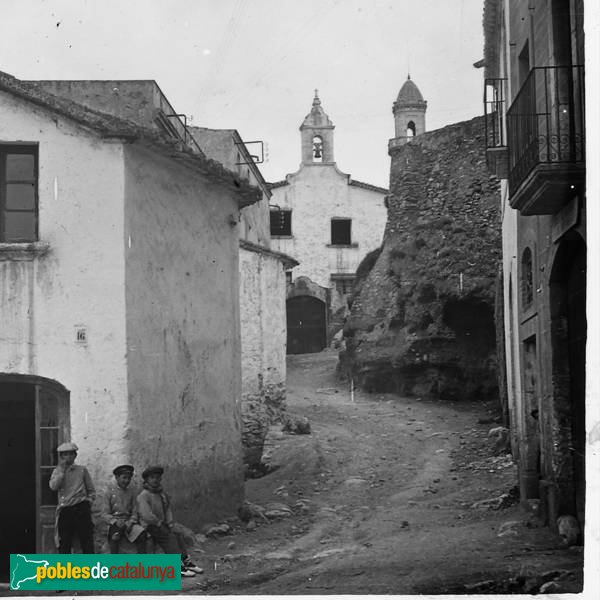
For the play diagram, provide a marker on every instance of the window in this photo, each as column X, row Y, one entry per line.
column 318, row 148
column 18, row 193
column 341, row 232
column 343, row 284
column 288, row 277
column 526, row 278
column 524, row 65
column 281, row 222
column 411, row 129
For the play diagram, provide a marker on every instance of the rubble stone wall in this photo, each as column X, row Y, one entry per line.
column 422, row 316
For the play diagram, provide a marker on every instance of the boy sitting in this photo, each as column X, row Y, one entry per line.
column 119, row 512
column 155, row 514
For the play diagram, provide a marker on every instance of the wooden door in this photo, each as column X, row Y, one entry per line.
column 52, row 429
column 17, row 471
column 306, row 325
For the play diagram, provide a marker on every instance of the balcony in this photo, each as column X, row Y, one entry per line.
column 546, row 140
column 494, row 104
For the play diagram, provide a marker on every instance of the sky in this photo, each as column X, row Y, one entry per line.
column 253, row 65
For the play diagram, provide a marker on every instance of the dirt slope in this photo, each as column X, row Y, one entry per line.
column 381, row 494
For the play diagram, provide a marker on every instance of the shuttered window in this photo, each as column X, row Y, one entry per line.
column 18, row 193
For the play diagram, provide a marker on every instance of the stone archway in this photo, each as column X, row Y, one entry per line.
column 568, row 335
column 308, row 309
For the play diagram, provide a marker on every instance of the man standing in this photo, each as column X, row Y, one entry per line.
column 75, row 496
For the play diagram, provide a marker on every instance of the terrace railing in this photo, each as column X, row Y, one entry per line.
column 546, row 122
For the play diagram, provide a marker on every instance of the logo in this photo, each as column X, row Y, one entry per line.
column 95, row 572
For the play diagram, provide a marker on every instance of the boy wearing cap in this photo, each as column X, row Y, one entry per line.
column 119, row 512
column 76, row 493
column 155, row 514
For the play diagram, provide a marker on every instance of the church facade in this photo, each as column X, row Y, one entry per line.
column 329, row 222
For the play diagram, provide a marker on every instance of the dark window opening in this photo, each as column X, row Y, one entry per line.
column 281, row 222
column 288, row 277
column 561, row 31
column 411, row 129
column 526, row 278
column 524, row 64
column 341, row 232
column 18, row 193
column 318, row 148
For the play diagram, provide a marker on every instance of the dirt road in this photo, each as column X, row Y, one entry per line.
column 380, row 499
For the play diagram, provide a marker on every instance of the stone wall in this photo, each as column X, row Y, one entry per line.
column 263, row 333
column 422, row 317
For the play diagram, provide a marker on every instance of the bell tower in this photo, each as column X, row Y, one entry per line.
column 317, row 135
column 409, row 114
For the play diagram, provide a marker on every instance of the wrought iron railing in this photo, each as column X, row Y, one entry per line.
column 494, row 101
column 546, row 121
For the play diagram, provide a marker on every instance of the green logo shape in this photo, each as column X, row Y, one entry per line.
column 95, row 572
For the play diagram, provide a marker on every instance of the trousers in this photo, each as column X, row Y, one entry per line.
column 166, row 539
column 116, row 535
column 74, row 521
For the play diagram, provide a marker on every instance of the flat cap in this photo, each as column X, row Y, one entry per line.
column 123, row 469
column 154, row 470
column 67, row 447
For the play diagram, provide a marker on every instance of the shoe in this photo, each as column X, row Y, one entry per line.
column 187, row 573
column 191, row 566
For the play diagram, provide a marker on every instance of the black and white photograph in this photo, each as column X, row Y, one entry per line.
column 298, row 295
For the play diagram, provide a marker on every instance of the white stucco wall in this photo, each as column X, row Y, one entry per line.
column 261, row 276
column 183, row 333
column 512, row 291
column 263, row 321
column 78, row 282
column 316, row 194
column 220, row 145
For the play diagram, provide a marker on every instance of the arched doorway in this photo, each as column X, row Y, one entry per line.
column 306, row 325
column 569, row 334
column 34, row 420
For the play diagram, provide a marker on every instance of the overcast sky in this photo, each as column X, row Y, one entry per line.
column 253, row 65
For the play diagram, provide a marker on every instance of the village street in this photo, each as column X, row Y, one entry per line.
column 380, row 498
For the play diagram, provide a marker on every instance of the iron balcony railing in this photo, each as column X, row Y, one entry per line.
column 546, row 122
column 494, row 105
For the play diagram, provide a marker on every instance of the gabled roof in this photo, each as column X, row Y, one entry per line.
column 104, row 124
column 353, row 182
column 368, row 186
column 108, row 126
